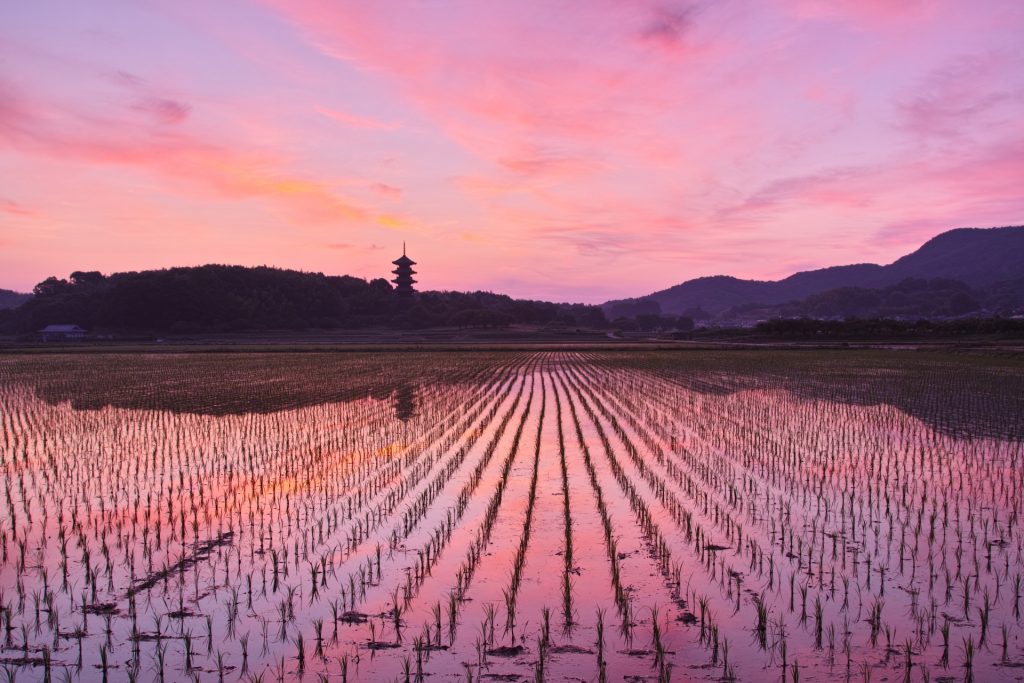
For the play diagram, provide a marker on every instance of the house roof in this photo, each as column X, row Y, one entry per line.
column 62, row 328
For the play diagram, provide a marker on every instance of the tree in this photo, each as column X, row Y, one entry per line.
column 50, row 287
column 86, row 277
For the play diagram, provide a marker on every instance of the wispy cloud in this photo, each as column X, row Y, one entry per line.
column 207, row 167
column 164, row 110
column 13, row 208
column 356, row 121
column 963, row 95
column 388, row 191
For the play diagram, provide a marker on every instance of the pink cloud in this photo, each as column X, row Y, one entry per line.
column 669, row 25
column 491, row 94
column 873, row 14
column 15, row 209
column 389, row 191
column 536, row 161
column 164, row 110
column 908, row 200
column 203, row 166
column 356, row 121
column 967, row 90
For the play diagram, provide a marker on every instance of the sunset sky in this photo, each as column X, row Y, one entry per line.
column 574, row 150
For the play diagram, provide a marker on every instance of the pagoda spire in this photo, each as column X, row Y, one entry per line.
column 403, row 274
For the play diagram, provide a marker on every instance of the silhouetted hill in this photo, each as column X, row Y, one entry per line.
column 9, row 299
column 979, row 258
column 975, row 256
column 226, row 298
column 911, row 298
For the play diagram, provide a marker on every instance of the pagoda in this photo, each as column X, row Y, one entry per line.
column 403, row 274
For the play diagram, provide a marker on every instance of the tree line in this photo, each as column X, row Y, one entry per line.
column 888, row 328
column 235, row 298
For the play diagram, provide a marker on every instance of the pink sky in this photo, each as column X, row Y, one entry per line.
column 562, row 149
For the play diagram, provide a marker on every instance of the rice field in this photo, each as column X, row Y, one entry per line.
column 512, row 516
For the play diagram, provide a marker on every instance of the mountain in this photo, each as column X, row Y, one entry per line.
column 975, row 256
column 9, row 299
column 912, row 298
column 978, row 257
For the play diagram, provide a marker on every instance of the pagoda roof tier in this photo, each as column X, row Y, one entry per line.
column 404, row 260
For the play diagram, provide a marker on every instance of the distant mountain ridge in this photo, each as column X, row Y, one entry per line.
column 978, row 257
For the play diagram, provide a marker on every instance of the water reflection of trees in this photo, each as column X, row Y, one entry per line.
column 232, row 383
column 404, row 398
column 965, row 395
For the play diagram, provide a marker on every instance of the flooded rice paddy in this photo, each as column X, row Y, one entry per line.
column 563, row 516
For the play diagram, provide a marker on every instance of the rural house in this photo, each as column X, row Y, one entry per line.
column 61, row 333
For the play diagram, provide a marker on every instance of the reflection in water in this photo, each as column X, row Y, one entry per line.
column 405, row 402
column 919, row 384
column 964, row 395
column 363, row 496
column 230, row 384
